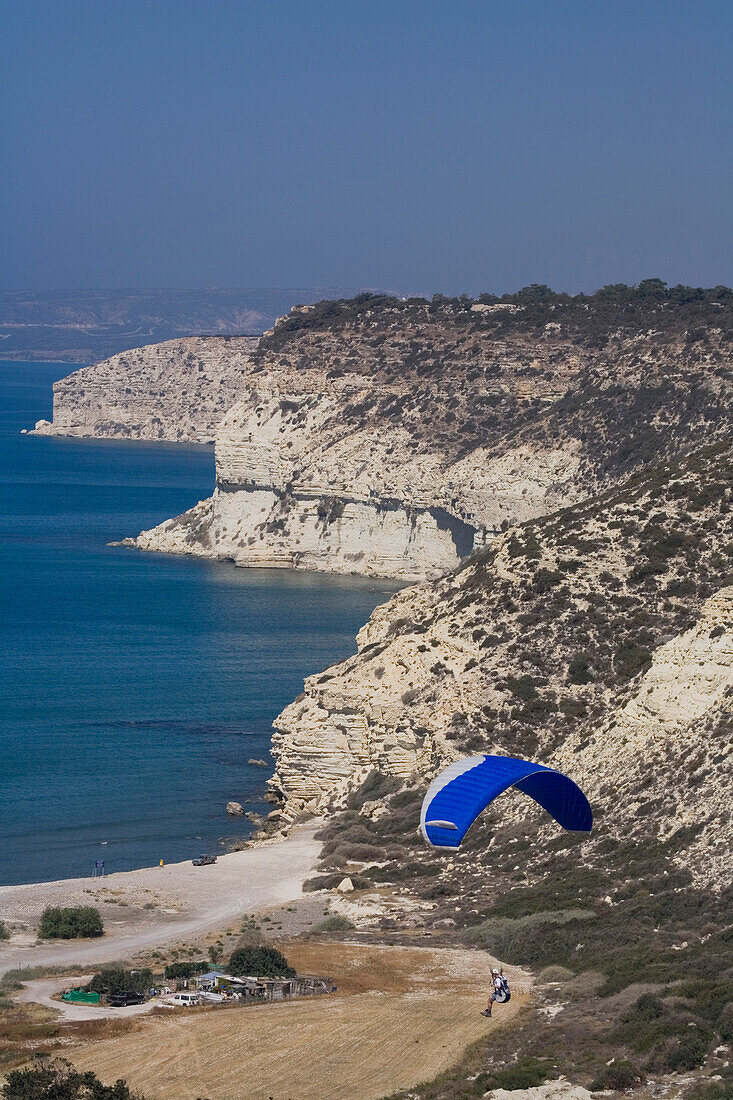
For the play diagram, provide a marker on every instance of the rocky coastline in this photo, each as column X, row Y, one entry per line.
column 404, row 440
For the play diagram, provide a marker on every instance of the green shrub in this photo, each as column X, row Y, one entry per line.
column 711, row 1090
column 522, row 687
column 354, row 834
column 260, row 962
column 407, row 798
column 376, row 785
column 526, row 1074
column 579, row 669
column 187, row 969
column 57, row 1079
column 355, row 853
column 545, row 579
column 334, row 924
column 631, row 659
column 619, row 1076
column 4, row 933
column 400, row 871
column 648, row 1007
column 529, row 938
column 73, row 922
column 726, row 1023
column 684, row 1051
column 711, row 999
column 116, row 979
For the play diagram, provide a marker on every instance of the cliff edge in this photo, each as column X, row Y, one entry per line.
column 599, row 639
column 395, row 438
column 177, row 391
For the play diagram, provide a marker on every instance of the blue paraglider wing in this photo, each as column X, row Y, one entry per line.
column 459, row 794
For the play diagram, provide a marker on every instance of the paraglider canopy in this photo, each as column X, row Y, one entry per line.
column 464, row 789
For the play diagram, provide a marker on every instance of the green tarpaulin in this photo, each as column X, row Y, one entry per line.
column 80, row 997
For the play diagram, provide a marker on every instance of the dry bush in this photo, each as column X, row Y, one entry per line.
column 554, row 974
column 586, row 984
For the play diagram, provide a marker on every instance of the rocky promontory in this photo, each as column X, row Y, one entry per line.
column 394, row 438
column 177, row 391
column 557, row 473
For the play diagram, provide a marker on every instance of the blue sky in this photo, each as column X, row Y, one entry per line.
column 445, row 145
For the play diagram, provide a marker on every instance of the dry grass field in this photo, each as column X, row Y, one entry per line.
column 400, row 1016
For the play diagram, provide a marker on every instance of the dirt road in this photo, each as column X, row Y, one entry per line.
column 41, row 991
column 402, row 1015
column 159, row 905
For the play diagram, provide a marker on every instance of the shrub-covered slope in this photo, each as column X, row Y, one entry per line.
column 599, row 639
column 537, row 645
column 626, row 374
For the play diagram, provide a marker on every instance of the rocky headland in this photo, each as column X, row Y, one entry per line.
column 177, row 391
column 394, row 438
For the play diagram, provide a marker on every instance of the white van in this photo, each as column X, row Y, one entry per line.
column 185, row 999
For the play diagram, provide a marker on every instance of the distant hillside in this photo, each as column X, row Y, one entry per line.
column 81, row 326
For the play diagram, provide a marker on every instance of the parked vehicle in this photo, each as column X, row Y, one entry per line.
column 203, row 861
column 125, row 998
column 185, row 1000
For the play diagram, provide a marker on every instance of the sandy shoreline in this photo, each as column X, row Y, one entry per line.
column 157, row 905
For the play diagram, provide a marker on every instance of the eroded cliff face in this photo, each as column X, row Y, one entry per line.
column 298, row 486
column 176, row 391
column 396, row 442
column 394, row 438
column 600, row 639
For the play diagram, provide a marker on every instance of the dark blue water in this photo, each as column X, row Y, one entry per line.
column 134, row 687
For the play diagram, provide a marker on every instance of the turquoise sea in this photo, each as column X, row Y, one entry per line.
column 134, row 687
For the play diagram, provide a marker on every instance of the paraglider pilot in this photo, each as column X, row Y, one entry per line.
column 463, row 790
column 499, row 990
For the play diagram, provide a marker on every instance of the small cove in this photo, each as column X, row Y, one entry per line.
column 134, row 687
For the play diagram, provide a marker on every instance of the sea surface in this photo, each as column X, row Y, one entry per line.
column 134, row 687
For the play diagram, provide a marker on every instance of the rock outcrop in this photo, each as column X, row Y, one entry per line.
column 176, row 391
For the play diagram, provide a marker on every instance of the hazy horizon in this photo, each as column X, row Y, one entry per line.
column 423, row 148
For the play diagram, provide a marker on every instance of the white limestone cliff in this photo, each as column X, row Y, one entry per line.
column 298, row 488
column 176, row 391
column 358, row 715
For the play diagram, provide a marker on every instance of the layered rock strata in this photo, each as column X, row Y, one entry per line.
column 176, row 391
column 394, row 439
